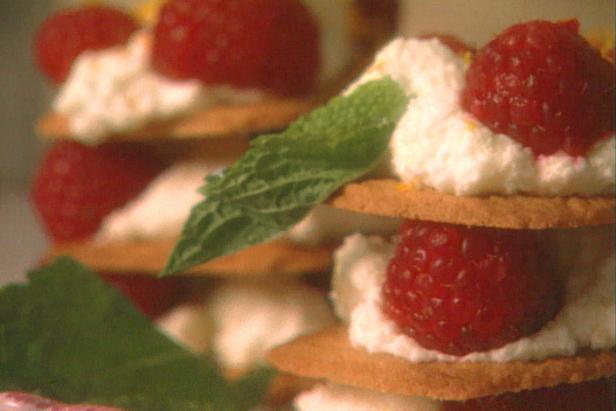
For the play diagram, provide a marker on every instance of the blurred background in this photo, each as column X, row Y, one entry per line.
column 26, row 95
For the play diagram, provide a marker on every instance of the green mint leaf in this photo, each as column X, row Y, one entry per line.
column 67, row 335
column 282, row 176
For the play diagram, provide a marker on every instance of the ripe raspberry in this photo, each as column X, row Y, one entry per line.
column 587, row 396
column 76, row 186
column 64, row 35
column 272, row 44
column 543, row 85
column 152, row 296
column 457, row 290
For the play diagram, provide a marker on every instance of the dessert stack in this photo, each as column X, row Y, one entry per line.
column 152, row 102
column 498, row 291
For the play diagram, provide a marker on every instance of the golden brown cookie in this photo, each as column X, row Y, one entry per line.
column 395, row 199
column 217, row 121
column 276, row 257
column 329, row 355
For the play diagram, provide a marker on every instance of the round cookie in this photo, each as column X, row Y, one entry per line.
column 275, row 257
column 329, row 355
column 218, row 121
column 395, row 199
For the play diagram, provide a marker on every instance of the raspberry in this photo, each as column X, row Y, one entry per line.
column 152, row 296
column 587, row 396
column 272, row 44
column 76, row 186
column 64, row 35
column 457, row 290
column 543, row 85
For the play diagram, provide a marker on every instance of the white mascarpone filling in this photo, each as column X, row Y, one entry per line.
column 241, row 320
column 163, row 207
column 446, row 148
column 250, row 318
column 115, row 90
column 332, row 397
column 586, row 320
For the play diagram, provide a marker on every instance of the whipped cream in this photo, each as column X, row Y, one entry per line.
column 241, row 320
column 440, row 145
column 251, row 318
column 163, row 207
column 332, row 397
column 115, row 90
column 586, row 320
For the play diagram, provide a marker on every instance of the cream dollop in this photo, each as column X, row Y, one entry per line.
column 439, row 144
column 161, row 209
column 252, row 317
column 333, row 397
column 586, row 320
column 116, row 90
column 239, row 321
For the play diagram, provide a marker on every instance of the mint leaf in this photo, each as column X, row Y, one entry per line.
column 284, row 175
column 69, row 336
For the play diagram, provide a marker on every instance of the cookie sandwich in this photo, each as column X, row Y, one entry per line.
column 497, row 292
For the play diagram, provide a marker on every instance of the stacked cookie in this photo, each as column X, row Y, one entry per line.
column 143, row 114
column 119, row 95
column 497, row 292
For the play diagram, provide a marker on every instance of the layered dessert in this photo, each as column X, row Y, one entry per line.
column 497, row 292
column 115, row 192
column 128, row 77
column 192, row 72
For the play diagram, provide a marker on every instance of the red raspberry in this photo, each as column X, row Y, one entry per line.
column 76, row 186
column 587, row 396
column 543, row 85
column 152, row 296
column 457, row 290
column 65, row 35
column 273, row 44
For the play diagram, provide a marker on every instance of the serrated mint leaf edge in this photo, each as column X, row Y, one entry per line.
column 53, row 275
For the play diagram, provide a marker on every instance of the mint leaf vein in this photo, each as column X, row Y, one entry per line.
column 282, row 176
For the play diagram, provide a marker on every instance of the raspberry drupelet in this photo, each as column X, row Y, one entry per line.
column 543, row 85
column 458, row 290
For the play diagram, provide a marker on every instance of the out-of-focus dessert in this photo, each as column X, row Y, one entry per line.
column 212, row 80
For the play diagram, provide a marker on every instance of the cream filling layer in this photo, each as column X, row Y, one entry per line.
column 586, row 320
